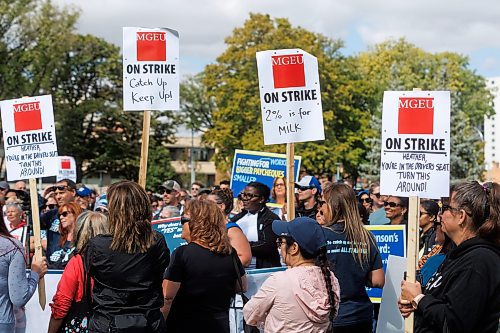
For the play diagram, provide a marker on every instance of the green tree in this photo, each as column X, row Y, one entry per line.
column 399, row 65
column 232, row 81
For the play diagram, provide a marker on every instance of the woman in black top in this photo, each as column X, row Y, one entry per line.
column 256, row 223
column 202, row 276
column 127, row 266
column 463, row 295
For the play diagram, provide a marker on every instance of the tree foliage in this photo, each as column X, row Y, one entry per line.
column 232, row 81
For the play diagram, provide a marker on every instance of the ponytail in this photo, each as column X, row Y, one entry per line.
column 323, row 264
column 490, row 229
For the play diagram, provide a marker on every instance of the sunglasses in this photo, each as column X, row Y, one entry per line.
column 321, row 202
column 304, row 188
column 195, row 189
column 366, row 200
column 50, row 206
column 164, row 190
column 377, row 195
column 101, row 210
column 61, row 187
column 247, row 196
column 391, row 204
column 64, row 214
column 184, row 219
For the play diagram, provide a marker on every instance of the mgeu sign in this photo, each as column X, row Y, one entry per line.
column 290, row 96
column 150, row 69
column 415, row 154
column 29, row 137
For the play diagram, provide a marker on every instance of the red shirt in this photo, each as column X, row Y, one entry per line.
column 70, row 288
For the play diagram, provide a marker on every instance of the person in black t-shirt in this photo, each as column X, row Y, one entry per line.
column 202, row 276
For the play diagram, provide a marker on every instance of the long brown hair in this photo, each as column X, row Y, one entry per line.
column 129, row 217
column 208, row 226
column 342, row 205
column 75, row 209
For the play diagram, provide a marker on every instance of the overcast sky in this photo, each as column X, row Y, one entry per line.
column 471, row 28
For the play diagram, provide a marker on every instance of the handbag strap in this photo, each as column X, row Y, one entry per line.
column 87, row 294
column 238, row 277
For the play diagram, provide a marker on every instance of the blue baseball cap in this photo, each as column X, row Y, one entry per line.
column 308, row 182
column 304, row 230
column 83, row 192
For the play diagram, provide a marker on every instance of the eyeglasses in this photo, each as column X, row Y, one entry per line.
column 444, row 208
column 184, row 219
column 64, row 214
column 279, row 185
column 391, row 204
column 366, row 200
column 423, row 213
column 377, row 195
column 50, row 206
column 247, row 196
column 195, row 189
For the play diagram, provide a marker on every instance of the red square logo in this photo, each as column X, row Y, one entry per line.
column 151, row 46
column 288, row 71
column 27, row 117
column 416, row 115
column 65, row 164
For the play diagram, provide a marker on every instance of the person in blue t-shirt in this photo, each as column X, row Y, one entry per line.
column 356, row 260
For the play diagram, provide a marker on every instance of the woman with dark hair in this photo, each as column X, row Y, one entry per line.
column 365, row 200
column 256, row 223
column 202, row 276
column 463, row 295
column 68, row 213
column 428, row 216
column 127, row 265
column 355, row 256
column 16, row 288
column 305, row 297
column 223, row 198
column 396, row 210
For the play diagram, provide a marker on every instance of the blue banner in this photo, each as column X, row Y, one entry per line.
column 253, row 166
column 171, row 229
column 391, row 239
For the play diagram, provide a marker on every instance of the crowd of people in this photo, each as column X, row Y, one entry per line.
column 119, row 274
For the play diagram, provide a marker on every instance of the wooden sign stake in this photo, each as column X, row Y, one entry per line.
column 290, row 183
column 35, row 215
column 143, row 168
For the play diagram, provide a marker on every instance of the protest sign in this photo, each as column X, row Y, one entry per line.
column 171, row 229
column 66, row 168
column 29, row 137
column 290, row 96
column 150, row 69
column 254, row 166
column 391, row 240
column 415, row 154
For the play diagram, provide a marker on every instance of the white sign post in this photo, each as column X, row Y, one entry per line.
column 415, row 154
column 30, row 152
column 150, row 77
column 290, row 97
column 66, row 168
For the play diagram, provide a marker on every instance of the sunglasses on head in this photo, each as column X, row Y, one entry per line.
column 247, row 196
column 391, row 204
column 64, row 214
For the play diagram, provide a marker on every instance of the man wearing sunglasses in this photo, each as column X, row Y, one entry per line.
column 170, row 192
column 377, row 216
column 65, row 192
column 309, row 191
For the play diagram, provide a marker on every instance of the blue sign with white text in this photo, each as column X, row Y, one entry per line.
column 391, row 240
column 253, row 166
column 171, row 229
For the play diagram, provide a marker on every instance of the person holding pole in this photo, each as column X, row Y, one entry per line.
column 355, row 257
column 463, row 295
column 16, row 289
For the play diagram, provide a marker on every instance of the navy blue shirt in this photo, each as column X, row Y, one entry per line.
column 355, row 305
column 49, row 221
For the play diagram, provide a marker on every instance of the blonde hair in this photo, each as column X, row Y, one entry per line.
column 129, row 217
column 88, row 225
column 342, row 205
column 208, row 226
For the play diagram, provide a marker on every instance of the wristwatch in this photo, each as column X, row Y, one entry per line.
column 416, row 300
